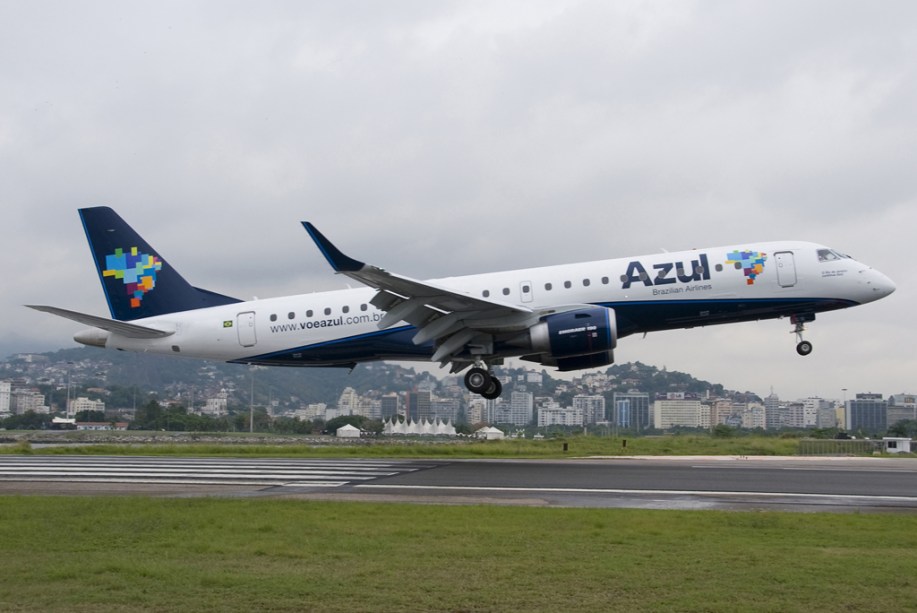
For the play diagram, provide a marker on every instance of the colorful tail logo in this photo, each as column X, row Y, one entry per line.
column 136, row 270
column 751, row 263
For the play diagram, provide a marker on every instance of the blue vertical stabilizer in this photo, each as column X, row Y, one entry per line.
column 137, row 281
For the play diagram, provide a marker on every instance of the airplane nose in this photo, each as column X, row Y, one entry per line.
column 880, row 285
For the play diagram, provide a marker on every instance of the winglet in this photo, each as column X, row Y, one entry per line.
column 339, row 262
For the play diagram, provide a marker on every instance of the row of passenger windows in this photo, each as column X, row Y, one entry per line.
column 699, row 270
column 526, row 289
column 327, row 311
column 547, row 286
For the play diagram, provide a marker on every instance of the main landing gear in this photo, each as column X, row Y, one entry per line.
column 803, row 347
column 478, row 380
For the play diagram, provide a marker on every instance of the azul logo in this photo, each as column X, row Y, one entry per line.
column 136, row 270
column 666, row 273
column 751, row 263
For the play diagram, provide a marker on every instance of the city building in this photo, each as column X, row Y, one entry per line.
column 444, row 409
column 631, row 410
column 754, row 416
column 901, row 407
column 84, row 404
column 6, row 388
column 592, row 408
column 773, row 417
column 867, row 414
column 676, row 410
column 417, row 406
column 560, row 416
column 217, row 406
column 390, row 405
column 23, row 400
column 518, row 411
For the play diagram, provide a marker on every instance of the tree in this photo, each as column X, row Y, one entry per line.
column 904, row 428
column 90, row 416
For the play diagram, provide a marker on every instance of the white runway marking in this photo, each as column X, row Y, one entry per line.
column 203, row 471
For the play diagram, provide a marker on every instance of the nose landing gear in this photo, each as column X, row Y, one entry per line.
column 803, row 347
column 479, row 380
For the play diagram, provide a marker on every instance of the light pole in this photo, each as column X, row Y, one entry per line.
column 69, row 372
column 844, row 391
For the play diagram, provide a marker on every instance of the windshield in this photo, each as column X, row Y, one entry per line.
column 829, row 255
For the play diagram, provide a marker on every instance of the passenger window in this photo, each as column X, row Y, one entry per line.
column 506, row 291
column 604, row 280
column 309, row 313
column 327, row 311
column 273, row 317
column 486, row 293
column 586, row 282
column 548, row 286
column 346, row 309
column 362, row 307
column 291, row 315
column 567, row 284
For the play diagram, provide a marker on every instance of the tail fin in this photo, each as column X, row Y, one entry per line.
column 137, row 281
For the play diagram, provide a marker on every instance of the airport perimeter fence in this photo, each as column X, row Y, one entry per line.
column 839, row 447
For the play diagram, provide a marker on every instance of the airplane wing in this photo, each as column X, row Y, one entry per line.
column 119, row 327
column 459, row 324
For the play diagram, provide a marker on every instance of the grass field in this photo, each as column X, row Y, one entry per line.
column 151, row 554
column 577, row 446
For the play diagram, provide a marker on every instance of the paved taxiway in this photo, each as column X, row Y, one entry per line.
column 798, row 484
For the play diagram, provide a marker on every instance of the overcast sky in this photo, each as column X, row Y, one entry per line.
column 446, row 138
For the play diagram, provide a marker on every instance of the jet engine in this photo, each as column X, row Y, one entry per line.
column 583, row 338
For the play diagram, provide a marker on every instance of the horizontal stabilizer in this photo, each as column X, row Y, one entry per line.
column 118, row 327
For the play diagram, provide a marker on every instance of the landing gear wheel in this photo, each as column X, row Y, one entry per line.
column 478, row 380
column 494, row 390
column 804, row 348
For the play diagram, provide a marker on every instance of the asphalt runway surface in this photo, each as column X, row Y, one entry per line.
column 738, row 483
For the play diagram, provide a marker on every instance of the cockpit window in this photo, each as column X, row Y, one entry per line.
column 829, row 255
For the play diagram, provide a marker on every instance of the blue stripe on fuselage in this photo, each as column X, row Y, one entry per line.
column 632, row 318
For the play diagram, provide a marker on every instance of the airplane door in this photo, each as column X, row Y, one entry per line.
column 245, row 324
column 525, row 291
column 786, row 268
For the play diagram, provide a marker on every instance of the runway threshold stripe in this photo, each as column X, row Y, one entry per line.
column 572, row 490
column 190, row 481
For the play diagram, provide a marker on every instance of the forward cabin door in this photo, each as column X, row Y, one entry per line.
column 786, row 268
column 245, row 325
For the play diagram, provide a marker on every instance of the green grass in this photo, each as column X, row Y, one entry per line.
column 151, row 554
column 577, row 446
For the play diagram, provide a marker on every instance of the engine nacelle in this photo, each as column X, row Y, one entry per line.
column 583, row 338
column 580, row 362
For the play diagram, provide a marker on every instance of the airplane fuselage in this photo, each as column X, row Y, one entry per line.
column 647, row 293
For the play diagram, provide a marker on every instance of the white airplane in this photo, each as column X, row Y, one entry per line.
column 569, row 316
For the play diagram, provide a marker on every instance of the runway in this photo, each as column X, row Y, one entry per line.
column 795, row 484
